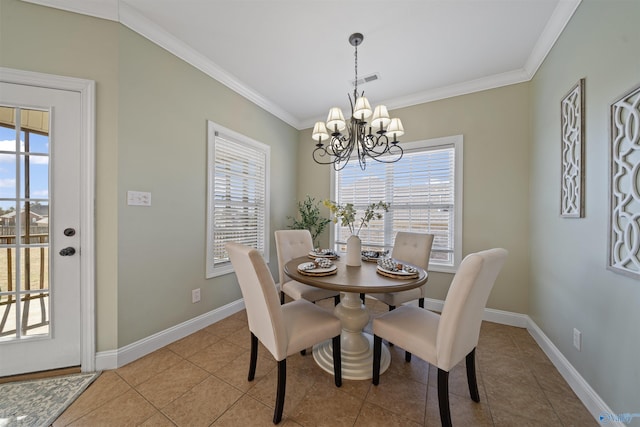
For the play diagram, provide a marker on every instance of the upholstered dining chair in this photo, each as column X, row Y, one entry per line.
column 414, row 248
column 445, row 339
column 282, row 329
column 292, row 244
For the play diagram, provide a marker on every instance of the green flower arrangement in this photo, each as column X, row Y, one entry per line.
column 347, row 214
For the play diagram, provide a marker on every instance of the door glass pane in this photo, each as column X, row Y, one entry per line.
column 35, row 314
column 24, row 255
column 38, row 143
column 7, row 287
column 7, row 223
column 38, row 176
column 7, row 162
column 35, row 268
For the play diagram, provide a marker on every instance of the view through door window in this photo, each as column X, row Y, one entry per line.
column 24, row 223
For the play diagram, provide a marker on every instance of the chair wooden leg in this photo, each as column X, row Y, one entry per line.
column 407, row 356
column 391, row 308
column 254, row 357
column 362, row 297
column 282, row 385
column 443, row 398
column 337, row 361
column 421, row 302
column 336, row 300
column 377, row 353
column 281, row 297
column 471, row 376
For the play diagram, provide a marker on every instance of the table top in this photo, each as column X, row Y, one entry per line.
column 363, row 279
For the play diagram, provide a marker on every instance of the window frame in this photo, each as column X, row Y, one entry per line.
column 455, row 141
column 214, row 132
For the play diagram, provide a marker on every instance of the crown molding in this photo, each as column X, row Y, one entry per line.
column 105, row 9
column 464, row 88
column 121, row 11
column 132, row 19
column 556, row 24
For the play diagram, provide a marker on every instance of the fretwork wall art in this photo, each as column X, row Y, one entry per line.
column 573, row 130
column 624, row 179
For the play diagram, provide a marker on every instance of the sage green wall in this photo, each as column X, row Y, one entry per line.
column 570, row 284
column 495, row 125
column 163, row 109
column 151, row 112
column 46, row 40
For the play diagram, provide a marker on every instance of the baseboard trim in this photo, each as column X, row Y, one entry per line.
column 590, row 399
column 114, row 359
column 587, row 395
column 490, row 314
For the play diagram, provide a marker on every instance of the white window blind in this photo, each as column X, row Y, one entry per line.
column 422, row 190
column 237, row 196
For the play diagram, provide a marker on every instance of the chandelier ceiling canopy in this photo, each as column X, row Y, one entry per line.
column 372, row 134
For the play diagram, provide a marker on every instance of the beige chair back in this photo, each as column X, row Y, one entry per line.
column 261, row 298
column 291, row 244
column 464, row 305
column 412, row 247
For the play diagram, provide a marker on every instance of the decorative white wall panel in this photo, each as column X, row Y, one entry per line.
column 572, row 124
column 624, row 231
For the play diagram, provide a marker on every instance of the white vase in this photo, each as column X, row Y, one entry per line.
column 354, row 251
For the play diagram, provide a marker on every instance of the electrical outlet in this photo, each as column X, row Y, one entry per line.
column 138, row 198
column 577, row 339
column 195, row 295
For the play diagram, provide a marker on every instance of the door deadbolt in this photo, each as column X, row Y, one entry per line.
column 67, row 251
column 69, row 232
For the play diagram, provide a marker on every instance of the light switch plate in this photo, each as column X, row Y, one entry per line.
column 138, row 198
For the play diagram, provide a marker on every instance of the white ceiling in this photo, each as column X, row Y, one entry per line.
column 293, row 58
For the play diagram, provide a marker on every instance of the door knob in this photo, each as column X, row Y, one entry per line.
column 67, row 251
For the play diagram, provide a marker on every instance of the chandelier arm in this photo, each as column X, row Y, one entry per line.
column 392, row 151
column 320, row 152
column 340, row 147
column 382, row 146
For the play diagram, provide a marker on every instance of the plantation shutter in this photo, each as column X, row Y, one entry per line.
column 239, row 196
column 421, row 191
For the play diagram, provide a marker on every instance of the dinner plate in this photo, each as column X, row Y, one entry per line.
column 304, row 268
column 374, row 256
column 314, row 254
column 398, row 272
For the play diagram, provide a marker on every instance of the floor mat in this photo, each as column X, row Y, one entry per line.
column 37, row 403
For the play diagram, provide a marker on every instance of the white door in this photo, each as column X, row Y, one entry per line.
column 40, row 199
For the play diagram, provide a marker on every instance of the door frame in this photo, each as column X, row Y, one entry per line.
column 86, row 89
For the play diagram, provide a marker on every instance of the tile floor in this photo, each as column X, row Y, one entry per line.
column 201, row 380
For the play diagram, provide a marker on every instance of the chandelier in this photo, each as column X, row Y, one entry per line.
column 342, row 137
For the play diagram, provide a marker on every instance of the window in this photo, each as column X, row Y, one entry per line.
column 425, row 192
column 237, row 196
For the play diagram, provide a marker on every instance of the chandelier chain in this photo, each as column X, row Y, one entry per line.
column 355, row 90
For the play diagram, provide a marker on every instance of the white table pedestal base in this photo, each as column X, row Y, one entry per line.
column 356, row 346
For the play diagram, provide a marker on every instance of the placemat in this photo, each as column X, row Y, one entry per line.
column 324, row 273
column 397, row 276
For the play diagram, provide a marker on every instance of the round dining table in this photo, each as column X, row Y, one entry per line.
column 351, row 281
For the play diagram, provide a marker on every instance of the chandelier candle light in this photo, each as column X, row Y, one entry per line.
column 342, row 137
